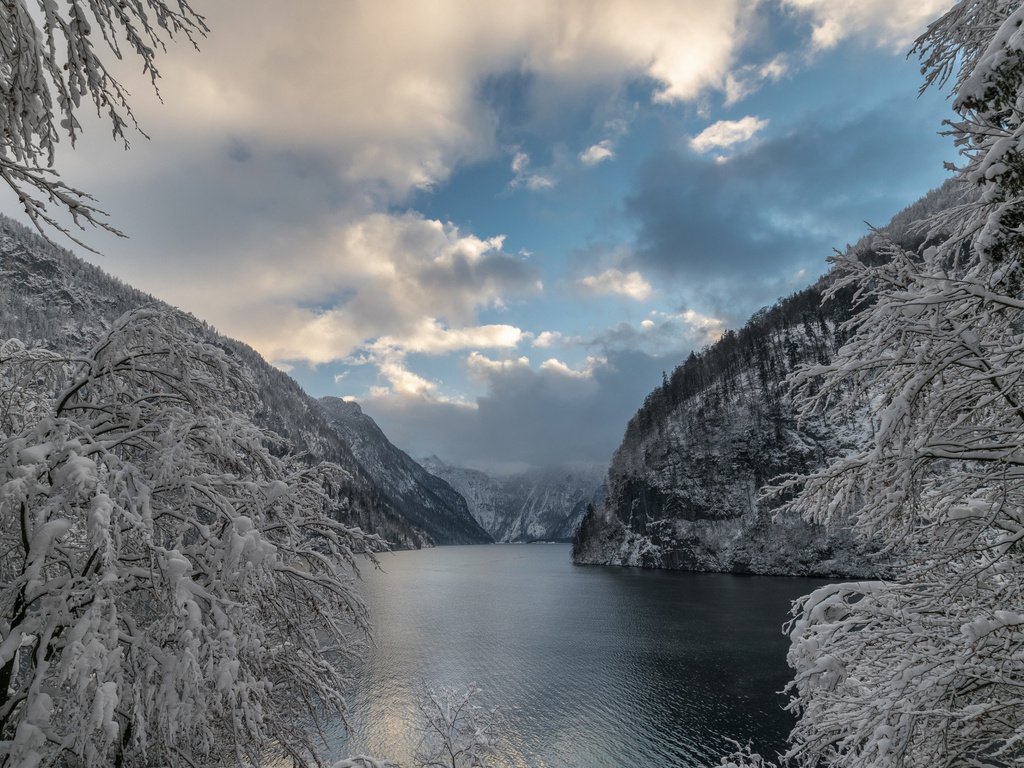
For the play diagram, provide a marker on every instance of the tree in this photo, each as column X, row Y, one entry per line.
column 928, row 669
column 171, row 592
column 51, row 65
column 457, row 732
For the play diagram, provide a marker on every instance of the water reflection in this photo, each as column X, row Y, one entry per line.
column 588, row 666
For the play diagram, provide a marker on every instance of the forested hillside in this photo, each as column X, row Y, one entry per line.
column 684, row 486
column 427, row 501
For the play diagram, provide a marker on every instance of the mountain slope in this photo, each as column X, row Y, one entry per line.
column 51, row 297
column 538, row 505
column 427, row 501
column 684, row 485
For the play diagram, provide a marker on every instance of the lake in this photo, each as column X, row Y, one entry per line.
column 588, row 666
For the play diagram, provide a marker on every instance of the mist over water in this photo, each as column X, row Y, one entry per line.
column 589, row 666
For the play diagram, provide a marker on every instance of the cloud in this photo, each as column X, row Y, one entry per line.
column 727, row 133
column 524, row 178
column 632, row 285
column 546, row 416
column 430, row 337
column 662, row 334
column 745, row 80
column 480, row 366
column 275, row 76
column 597, row 153
column 378, row 283
column 772, row 209
column 891, row 25
column 586, row 371
column 389, row 355
column 402, row 381
column 545, row 339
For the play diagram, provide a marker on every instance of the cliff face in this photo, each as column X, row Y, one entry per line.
column 538, row 505
column 49, row 296
column 684, row 487
column 686, row 494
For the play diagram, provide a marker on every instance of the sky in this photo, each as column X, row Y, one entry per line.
column 494, row 225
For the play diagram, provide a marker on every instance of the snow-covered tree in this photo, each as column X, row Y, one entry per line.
column 55, row 56
column 927, row 670
column 171, row 591
column 457, row 731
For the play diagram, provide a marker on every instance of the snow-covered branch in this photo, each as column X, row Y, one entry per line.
column 171, row 592
column 927, row 670
column 53, row 61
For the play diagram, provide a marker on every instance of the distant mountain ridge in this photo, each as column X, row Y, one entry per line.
column 545, row 504
column 684, row 486
column 422, row 498
column 50, row 296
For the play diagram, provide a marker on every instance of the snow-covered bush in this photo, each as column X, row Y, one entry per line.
column 457, row 732
column 171, row 592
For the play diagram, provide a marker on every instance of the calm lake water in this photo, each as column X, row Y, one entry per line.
column 589, row 666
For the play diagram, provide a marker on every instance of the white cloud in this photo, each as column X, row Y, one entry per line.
column 586, row 371
column 377, row 283
column 891, row 25
column 614, row 281
column 597, row 153
column 660, row 334
column 727, row 133
column 546, row 338
column 398, row 103
column 480, row 366
column 430, row 337
column 709, row 328
column 524, row 178
column 389, row 355
column 404, row 382
column 745, row 80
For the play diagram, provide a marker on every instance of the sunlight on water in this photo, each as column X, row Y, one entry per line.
column 588, row 666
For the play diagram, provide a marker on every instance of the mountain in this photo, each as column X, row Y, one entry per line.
column 51, row 297
column 684, row 485
column 537, row 505
column 420, row 497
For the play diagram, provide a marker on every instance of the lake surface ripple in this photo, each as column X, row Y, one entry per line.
column 588, row 666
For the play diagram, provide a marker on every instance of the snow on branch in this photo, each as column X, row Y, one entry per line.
column 171, row 592
column 927, row 670
column 53, row 62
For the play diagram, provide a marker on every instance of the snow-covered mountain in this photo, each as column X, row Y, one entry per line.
column 544, row 504
column 50, row 296
column 684, row 486
column 419, row 496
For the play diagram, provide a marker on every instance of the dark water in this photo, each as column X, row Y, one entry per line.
column 589, row 666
